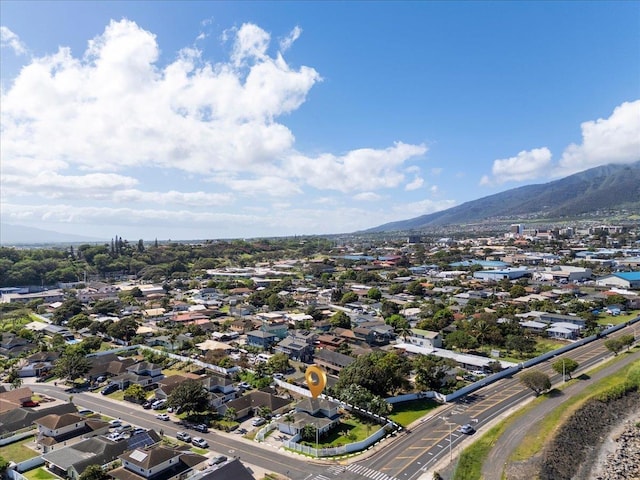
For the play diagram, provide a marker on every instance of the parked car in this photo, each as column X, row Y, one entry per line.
column 158, row 404
column 244, row 385
column 199, row 442
column 146, row 405
column 116, row 422
column 217, row 460
column 257, row 422
column 112, row 387
column 136, row 431
column 201, row 427
column 123, row 428
column 467, row 429
column 162, row 416
column 184, row 436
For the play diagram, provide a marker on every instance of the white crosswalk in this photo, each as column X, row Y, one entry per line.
column 360, row 470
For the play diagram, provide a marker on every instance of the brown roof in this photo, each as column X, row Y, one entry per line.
column 14, row 398
column 55, row 421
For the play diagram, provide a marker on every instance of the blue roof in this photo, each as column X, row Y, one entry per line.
column 630, row 276
column 482, row 263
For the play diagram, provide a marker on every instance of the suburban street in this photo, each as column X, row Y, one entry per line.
column 406, row 457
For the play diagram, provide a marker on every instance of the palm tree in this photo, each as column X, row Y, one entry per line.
column 230, row 414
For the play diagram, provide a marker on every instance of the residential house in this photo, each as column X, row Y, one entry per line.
column 157, row 461
column 425, row 338
column 329, row 341
column 564, row 330
column 11, row 345
column 232, row 469
column 141, row 373
column 250, row 403
column 54, row 429
column 319, row 412
column 332, row 361
column 108, row 365
column 10, row 399
column 38, row 364
column 556, row 318
column 69, row 462
column 298, row 346
column 18, row 418
column 262, row 339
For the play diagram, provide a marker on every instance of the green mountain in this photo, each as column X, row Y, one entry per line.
column 602, row 188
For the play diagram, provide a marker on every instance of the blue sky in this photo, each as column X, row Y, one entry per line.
column 188, row 120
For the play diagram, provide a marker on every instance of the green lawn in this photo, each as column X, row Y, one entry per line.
column 17, row 451
column 605, row 319
column 40, row 474
column 350, row 430
column 406, row 413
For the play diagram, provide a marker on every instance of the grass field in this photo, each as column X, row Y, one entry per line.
column 17, row 452
column 605, row 319
column 406, row 413
column 40, row 474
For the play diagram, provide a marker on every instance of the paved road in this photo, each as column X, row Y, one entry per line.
column 505, row 445
column 434, row 441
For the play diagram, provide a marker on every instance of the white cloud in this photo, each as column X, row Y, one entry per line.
column 102, row 130
column 434, row 189
column 358, row 170
column 285, row 43
column 268, row 185
column 367, row 197
column 607, row 140
column 526, row 165
column 8, row 39
column 415, row 184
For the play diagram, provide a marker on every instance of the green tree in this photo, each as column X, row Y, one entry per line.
column 190, row 396
column 4, row 464
column 79, row 321
column 535, row 380
column 125, row 329
column 230, row 414
column 308, row 433
column 614, row 345
column 70, row 307
column 520, row 344
column 430, row 372
column 340, row 320
column 136, row 392
column 382, row 373
column 517, row 291
column 93, row 472
column 71, row 366
column 278, row 363
column 627, row 340
column 565, row 366
column 349, row 297
column 461, row 339
column 374, row 293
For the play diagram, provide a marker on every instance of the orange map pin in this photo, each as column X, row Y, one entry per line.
column 316, row 380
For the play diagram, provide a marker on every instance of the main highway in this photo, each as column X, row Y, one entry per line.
column 405, row 457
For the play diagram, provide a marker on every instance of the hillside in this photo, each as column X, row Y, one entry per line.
column 22, row 235
column 601, row 188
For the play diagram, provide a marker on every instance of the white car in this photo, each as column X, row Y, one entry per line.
column 466, row 429
column 162, row 416
column 199, row 442
column 184, row 436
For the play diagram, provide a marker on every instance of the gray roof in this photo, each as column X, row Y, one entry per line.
column 22, row 417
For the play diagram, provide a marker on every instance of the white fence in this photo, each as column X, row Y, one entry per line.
column 29, row 464
column 17, row 436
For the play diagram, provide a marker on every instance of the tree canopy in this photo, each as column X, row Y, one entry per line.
column 565, row 366
column 189, row 396
column 382, row 373
column 71, row 366
column 535, row 380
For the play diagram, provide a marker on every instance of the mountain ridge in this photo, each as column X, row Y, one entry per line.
column 604, row 187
